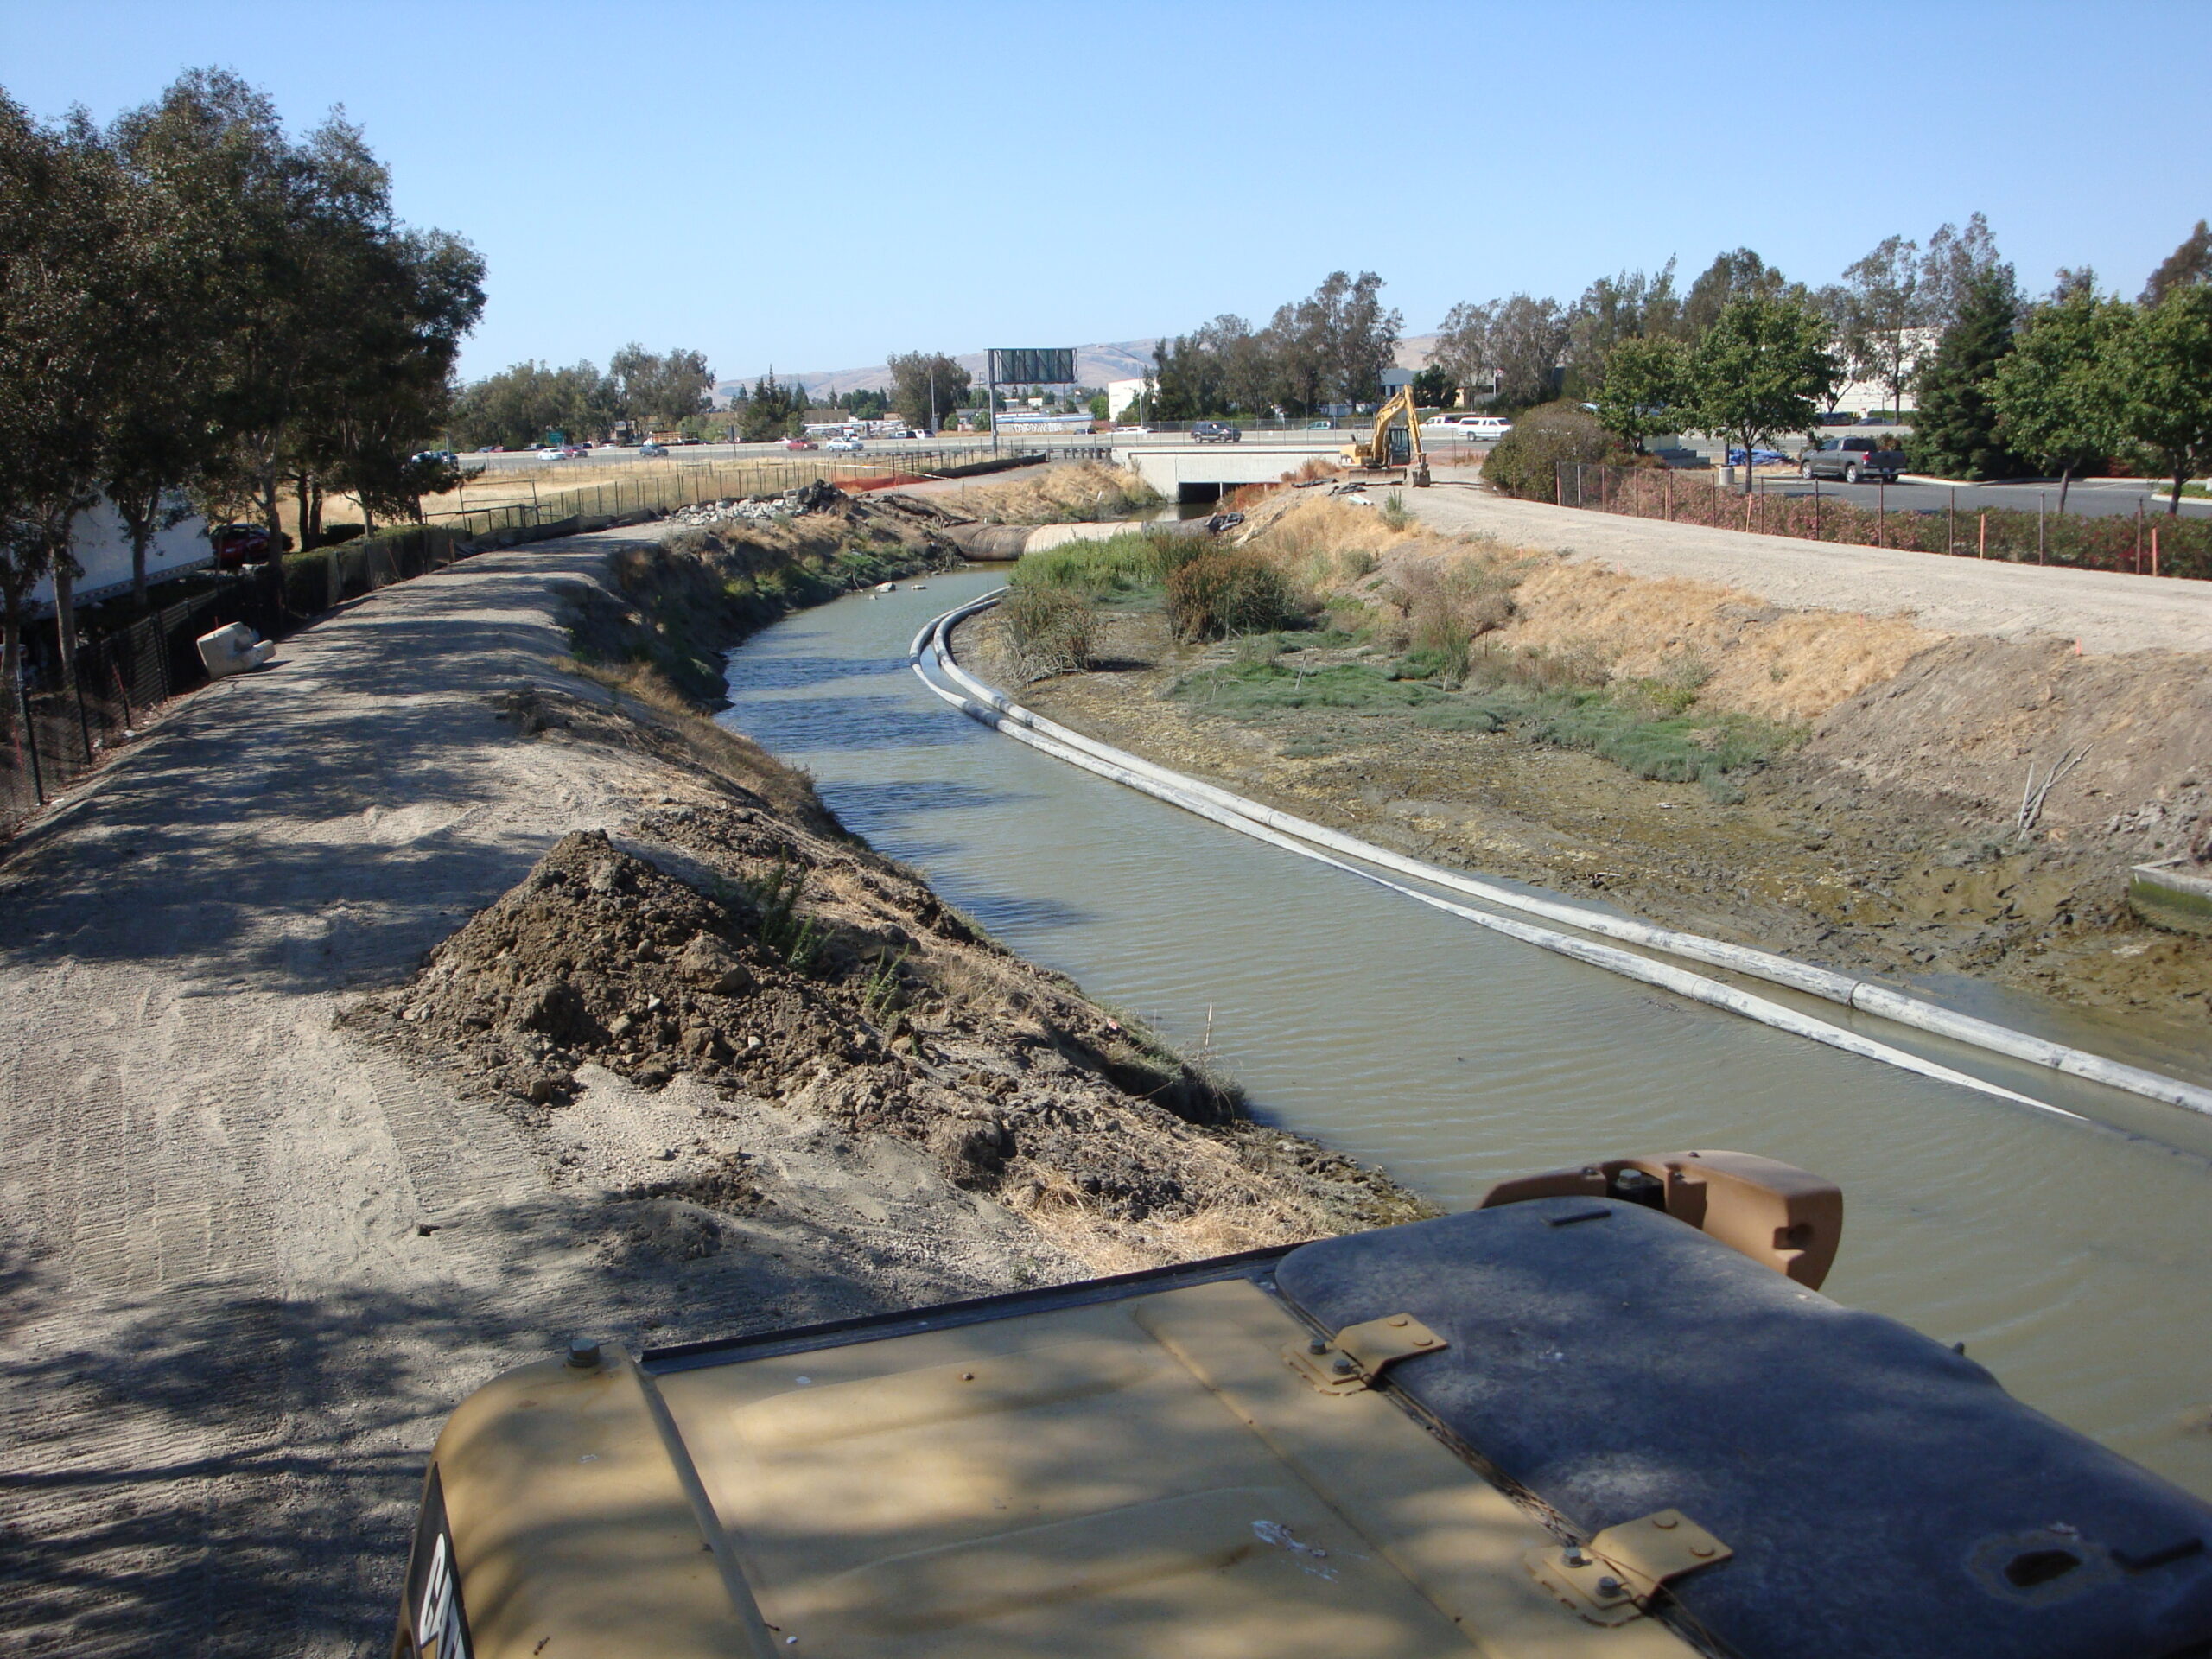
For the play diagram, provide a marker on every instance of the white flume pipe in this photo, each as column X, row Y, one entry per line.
column 1844, row 989
column 1663, row 974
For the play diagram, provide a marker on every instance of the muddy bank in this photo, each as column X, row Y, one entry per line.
column 735, row 965
column 1841, row 788
column 783, row 971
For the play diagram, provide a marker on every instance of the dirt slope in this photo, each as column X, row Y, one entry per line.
column 249, row 1259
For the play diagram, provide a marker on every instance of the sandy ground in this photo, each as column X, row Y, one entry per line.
column 2103, row 611
column 249, row 1261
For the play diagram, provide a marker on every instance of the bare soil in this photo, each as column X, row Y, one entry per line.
column 262, row 1230
column 1836, row 855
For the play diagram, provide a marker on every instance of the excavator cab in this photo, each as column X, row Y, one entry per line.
column 1607, row 1414
column 1395, row 443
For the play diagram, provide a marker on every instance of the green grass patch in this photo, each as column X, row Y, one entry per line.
column 1638, row 725
column 1137, row 561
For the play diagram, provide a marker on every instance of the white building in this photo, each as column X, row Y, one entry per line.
column 1120, row 396
column 102, row 545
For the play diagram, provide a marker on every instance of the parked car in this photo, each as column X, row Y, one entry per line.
column 800, row 443
column 237, row 545
column 649, row 448
column 1851, row 459
column 1215, row 432
column 847, row 445
column 1759, row 457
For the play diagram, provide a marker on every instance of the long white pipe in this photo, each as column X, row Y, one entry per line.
column 1845, row 988
column 930, row 645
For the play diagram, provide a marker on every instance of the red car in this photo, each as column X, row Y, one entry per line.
column 237, row 545
column 800, row 443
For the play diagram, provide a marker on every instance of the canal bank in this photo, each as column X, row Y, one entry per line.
column 1452, row 1058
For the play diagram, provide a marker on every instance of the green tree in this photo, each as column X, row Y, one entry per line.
column 2189, row 263
column 1881, row 312
column 1516, row 344
column 2057, row 401
column 660, row 392
column 1434, row 388
column 2165, row 366
column 1955, row 432
column 774, row 409
column 1761, row 369
column 63, row 360
column 926, row 386
column 1739, row 275
column 1649, row 389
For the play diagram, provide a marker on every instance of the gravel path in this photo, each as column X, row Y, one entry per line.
column 248, row 1264
column 220, row 1324
column 2104, row 612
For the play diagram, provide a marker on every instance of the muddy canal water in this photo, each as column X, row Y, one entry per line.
column 2071, row 1260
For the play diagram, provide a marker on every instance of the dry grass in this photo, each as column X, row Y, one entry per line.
column 1083, row 493
column 1417, row 589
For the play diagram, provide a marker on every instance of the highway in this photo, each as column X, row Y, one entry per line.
column 2098, row 498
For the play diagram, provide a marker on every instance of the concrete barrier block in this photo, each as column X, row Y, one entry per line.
column 2172, row 896
column 234, row 650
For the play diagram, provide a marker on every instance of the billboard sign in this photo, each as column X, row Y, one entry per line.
column 1034, row 365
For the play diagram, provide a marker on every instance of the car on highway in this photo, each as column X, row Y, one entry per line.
column 846, row 446
column 493, row 449
column 649, row 448
column 1848, row 459
column 800, row 443
column 555, row 452
column 1215, row 432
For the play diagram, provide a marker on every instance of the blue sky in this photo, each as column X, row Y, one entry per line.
column 814, row 186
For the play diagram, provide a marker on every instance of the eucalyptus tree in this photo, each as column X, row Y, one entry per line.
column 62, row 358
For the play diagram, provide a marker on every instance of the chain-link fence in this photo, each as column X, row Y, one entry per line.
column 57, row 725
column 2143, row 543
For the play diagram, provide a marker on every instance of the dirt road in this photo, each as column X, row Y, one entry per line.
column 2105, row 612
column 251, row 1257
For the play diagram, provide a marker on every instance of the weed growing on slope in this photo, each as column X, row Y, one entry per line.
column 782, row 930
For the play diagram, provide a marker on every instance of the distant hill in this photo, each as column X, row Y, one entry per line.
column 1095, row 365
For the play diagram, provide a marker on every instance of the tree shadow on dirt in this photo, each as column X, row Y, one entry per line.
column 122, row 1531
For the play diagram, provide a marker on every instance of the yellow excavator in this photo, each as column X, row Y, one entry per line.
column 1395, row 443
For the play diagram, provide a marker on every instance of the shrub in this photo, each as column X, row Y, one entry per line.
column 1218, row 594
column 1525, row 463
column 1050, row 629
column 1132, row 562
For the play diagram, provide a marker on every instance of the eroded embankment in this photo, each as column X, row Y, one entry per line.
column 1838, row 786
column 732, row 940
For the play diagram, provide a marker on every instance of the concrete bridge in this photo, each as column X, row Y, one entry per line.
column 1184, row 471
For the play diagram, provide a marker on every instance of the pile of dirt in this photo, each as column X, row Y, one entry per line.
column 771, row 966
column 1081, row 492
